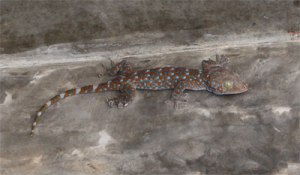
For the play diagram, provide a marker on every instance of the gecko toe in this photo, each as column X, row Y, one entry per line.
column 104, row 66
column 175, row 105
column 110, row 102
column 184, row 100
column 120, row 105
column 168, row 101
column 101, row 75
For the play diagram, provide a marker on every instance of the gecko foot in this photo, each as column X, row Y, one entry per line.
column 174, row 101
column 104, row 66
column 120, row 103
column 110, row 102
column 112, row 64
column 221, row 61
column 101, row 75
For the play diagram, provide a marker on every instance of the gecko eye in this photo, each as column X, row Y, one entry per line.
column 227, row 84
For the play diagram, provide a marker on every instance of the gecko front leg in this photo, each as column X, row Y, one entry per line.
column 178, row 93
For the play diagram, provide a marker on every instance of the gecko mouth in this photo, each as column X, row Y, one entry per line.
column 243, row 89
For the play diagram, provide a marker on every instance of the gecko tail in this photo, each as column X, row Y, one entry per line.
column 71, row 92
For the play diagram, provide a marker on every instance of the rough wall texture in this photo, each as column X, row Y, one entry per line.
column 66, row 42
column 29, row 24
column 252, row 133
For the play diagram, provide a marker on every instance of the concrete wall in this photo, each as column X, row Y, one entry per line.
column 49, row 47
column 29, row 24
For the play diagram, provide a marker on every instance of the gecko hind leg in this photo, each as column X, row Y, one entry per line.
column 128, row 92
column 112, row 64
column 122, row 68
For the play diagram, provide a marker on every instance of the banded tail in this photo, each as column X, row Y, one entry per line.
column 83, row 90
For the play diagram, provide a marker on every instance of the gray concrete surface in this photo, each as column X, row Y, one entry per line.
column 252, row 133
column 50, row 46
column 29, row 24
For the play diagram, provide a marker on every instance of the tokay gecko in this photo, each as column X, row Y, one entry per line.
column 214, row 77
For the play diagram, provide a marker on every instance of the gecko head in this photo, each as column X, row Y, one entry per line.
column 224, row 81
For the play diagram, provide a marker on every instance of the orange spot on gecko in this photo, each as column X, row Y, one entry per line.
column 160, row 77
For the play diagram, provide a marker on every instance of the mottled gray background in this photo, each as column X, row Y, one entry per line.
column 48, row 47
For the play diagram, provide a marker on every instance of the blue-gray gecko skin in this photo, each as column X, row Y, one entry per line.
column 214, row 77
